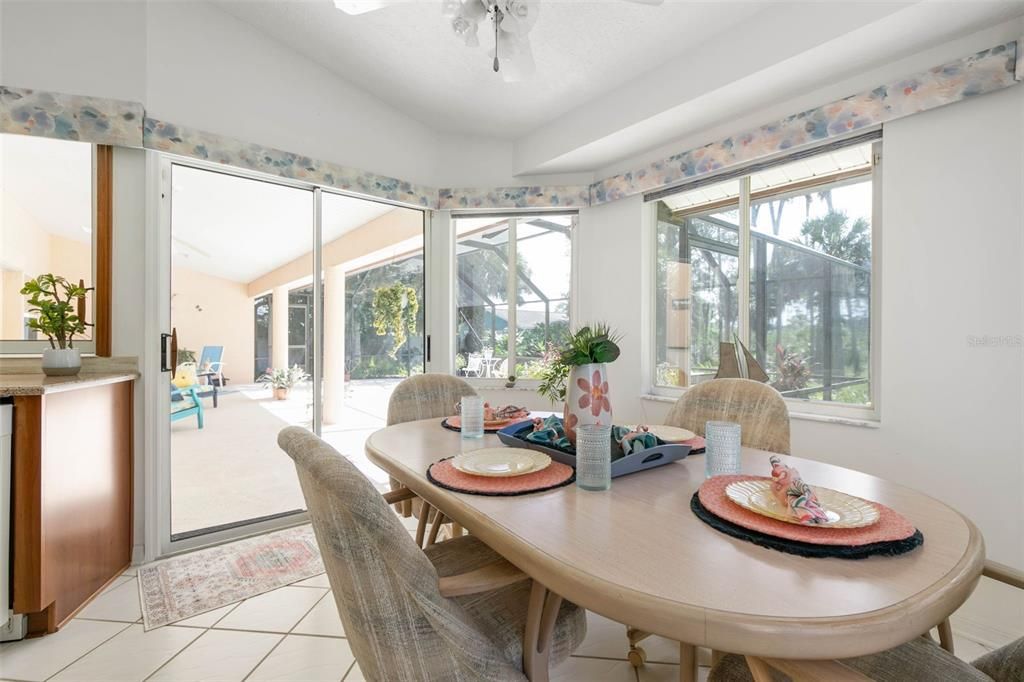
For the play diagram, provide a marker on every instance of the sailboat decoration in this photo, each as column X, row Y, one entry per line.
column 736, row 362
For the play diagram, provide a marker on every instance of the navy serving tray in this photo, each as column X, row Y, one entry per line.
column 645, row 459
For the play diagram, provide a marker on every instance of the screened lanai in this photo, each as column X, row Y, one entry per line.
column 539, row 311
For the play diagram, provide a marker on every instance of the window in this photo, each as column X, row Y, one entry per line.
column 801, row 304
column 263, row 348
column 497, row 335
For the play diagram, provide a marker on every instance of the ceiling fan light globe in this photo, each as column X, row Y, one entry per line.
column 357, row 7
column 474, row 9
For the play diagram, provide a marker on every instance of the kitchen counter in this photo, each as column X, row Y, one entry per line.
column 40, row 384
column 72, row 476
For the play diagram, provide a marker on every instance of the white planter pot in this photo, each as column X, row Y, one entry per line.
column 61, row 362
column 587, row 400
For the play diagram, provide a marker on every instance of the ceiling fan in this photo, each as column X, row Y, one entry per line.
column 511, row 20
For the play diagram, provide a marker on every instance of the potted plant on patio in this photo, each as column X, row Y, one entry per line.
column 578, row 376
column 282, row 380
column 59, row 308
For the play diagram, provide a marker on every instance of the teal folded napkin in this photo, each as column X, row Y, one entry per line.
column 633, row 441
column 551, row 432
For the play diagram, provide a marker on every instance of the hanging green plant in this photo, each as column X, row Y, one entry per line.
column 395, row 311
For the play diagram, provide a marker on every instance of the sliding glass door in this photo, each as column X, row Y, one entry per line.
column 240, row 248
column 288, row 306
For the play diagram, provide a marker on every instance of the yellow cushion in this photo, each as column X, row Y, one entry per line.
column 185, row 375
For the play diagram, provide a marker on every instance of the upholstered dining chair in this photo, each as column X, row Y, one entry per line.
column 425, row 396
column 919, row 660
column 454, row 612
column 758, row 408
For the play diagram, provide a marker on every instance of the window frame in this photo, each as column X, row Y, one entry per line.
column 512, row 285
column 798, row 407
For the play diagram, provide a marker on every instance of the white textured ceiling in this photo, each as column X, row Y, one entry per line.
column 406, row 55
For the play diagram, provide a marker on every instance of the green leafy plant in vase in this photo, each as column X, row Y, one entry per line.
column 282, row 380
column 577, row 375
column 59, row 314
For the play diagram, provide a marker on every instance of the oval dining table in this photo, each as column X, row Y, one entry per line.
column 638, row 555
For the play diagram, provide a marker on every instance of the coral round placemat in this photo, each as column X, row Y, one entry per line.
column 555, row 475
column 892, row 526
column 455, row 424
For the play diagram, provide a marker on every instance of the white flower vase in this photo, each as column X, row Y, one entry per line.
column 61, row 362
column 587, row 400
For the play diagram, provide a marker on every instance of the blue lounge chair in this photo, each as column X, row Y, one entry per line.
column 188, row 404
column 211, row 364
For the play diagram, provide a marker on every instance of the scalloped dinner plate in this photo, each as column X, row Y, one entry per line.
column 843, row 511
column 671, row 434
column 502, row 462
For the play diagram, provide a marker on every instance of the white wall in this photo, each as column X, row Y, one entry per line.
column 83, row 48
column 128, row 320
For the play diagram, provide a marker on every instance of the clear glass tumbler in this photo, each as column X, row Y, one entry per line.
column 594, row 457
column 722, row 449
column 472, row 416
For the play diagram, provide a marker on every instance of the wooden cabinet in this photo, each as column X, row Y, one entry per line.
column 72, row 496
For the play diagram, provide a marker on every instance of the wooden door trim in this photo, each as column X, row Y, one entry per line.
column 104, row 248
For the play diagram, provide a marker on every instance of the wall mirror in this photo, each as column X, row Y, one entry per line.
column 54, row 218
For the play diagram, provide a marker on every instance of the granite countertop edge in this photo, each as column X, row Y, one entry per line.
column 40, row 384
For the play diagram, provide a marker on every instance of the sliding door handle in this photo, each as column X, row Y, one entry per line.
column 164, row 343
column 169, row 351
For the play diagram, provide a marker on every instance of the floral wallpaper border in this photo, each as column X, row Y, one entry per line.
column 987, row 71
column 514, row 197
column 198, row 144
column 70, row 117
column 116, row 122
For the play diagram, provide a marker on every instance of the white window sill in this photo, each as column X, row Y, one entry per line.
column 490, row 384
column 804, row 416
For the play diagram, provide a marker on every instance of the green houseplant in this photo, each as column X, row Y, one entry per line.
column 59, row 307
column 282, row 380
column 395, row 311
column 578, row 376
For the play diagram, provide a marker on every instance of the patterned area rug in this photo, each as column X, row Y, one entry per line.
column 207, row 579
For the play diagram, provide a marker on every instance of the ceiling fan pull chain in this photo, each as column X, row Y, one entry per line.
column 497, row 14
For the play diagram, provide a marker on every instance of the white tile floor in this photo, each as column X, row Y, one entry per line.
column 292, row 633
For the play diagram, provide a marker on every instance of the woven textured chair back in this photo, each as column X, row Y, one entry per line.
column 426, row 396
column 758, row 408
column 397, row 623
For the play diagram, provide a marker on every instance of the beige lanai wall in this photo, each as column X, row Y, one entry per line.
column 213, row 311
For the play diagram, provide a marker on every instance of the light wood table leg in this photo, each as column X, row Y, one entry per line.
column 421, row 525
column 541, row 614
column 946, row 635
column 759, row 670
column 687, row 663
